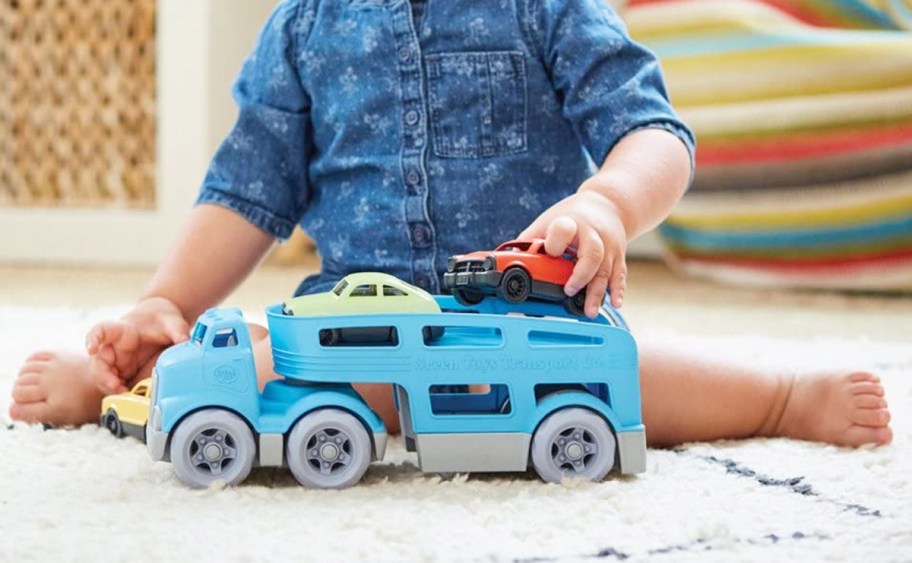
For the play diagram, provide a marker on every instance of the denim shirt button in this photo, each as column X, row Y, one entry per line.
column 419, row 141
column 411, row 117
column 422, row 281
column 421, row 234
column 413, row 177
column 405, row 54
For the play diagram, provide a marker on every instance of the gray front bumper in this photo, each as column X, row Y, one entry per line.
column 156, row 440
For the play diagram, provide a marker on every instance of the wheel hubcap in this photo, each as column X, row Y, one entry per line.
column 212, row 450
column 573, row 449
column 328, row 451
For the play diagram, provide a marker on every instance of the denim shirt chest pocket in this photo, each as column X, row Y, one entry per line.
column 477, row 103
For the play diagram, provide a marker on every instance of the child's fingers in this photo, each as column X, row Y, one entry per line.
column 561, row 232
column 177, row 329
column 95, row 337
column 105, row 375
column 618, row 282
column 590, row 252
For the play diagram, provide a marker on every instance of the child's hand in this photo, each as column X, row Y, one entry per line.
column 118, row 349
column 592, row 223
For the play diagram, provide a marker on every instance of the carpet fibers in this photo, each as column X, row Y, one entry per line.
column 83, row 495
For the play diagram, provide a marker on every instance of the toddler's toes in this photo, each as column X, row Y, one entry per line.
column 32, row 366
column 870, row 417
column 861, row 435
column 861, row 376
column 867, row 388
column 40, row 356
column 870, row 402
column 30, row 412
column 55, row 388
column 29, row 393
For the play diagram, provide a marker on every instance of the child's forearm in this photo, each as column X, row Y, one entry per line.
column 214, row 252
column 644, row 176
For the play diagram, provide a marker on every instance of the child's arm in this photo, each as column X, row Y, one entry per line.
column 612, row 91
column 254, row 192
column 641, row 180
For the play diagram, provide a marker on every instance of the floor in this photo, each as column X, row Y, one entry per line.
column 657, row 298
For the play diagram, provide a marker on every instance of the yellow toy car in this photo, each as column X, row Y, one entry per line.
column 127, row 413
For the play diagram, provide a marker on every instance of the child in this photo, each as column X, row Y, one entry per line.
column 399, row 133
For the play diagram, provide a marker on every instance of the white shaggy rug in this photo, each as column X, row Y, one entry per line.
column 84, row 495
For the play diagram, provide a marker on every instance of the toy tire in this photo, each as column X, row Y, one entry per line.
column 573, row 442
column 468, row 297
column 330, row 337
column 328, row 449
column 431, row 333
column 111, row 421
column 515, row 285
column 212, row 445
column 576, row 305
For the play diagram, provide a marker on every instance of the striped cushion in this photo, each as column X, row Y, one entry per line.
column 803, row 114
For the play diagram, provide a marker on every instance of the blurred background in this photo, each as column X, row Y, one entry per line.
column 111, row 109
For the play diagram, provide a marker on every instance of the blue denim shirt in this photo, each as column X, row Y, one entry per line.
column 398, row 137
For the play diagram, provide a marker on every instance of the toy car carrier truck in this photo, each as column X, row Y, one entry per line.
column 486, row 387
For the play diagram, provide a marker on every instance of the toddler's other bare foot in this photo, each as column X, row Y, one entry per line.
column 845, row 409
column 55, row 388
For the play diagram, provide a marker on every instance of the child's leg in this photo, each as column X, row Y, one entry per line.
column 692, row 398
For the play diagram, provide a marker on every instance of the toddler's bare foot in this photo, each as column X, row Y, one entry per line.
column 846, row 410
column 55, row 388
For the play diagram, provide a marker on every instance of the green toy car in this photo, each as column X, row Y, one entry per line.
column 364, row 293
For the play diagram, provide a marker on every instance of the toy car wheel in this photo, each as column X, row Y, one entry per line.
column 573, row 442
column 212, row 445
column 328, row 449
column 468, row 297
column 575, row 305
column 111, row 421
column 515, row 285
column 330, row 337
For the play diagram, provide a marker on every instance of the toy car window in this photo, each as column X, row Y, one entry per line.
column 522, row 246
column 366, row 290
column 225, row 338
column 390, row 291
column 199, row 332
column 141, row 390
column 340, row 287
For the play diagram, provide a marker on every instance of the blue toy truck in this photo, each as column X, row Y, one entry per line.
column 486, row 387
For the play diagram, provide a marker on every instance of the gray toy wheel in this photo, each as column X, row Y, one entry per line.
column 111, row 421
column 515, row 285
column 328, row 449
column 573, row 442
column 211, row 445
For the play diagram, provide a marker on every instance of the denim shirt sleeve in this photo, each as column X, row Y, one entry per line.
column 260, row 169
column 609, row 85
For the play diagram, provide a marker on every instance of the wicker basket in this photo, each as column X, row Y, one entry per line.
column 77, row 103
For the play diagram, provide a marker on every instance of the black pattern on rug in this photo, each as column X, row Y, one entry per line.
column 794, row 484
column 696, row 546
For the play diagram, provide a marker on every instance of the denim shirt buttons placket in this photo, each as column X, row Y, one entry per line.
column 414, row 133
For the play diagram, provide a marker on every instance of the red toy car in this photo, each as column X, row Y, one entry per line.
column 514, row 271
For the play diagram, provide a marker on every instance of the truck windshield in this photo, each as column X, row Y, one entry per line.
column 199, row 332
